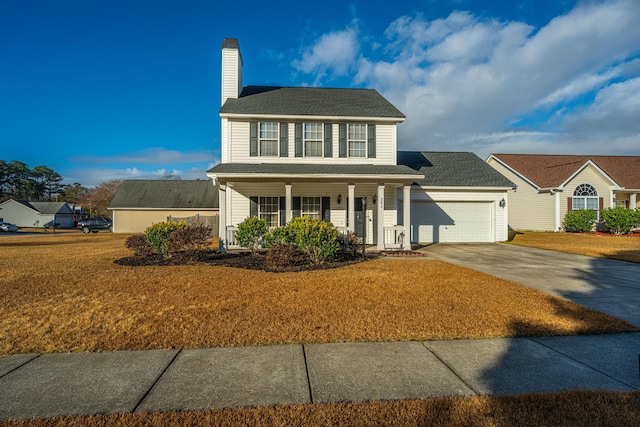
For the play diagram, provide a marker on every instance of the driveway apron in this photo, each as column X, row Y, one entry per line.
column 609, row 286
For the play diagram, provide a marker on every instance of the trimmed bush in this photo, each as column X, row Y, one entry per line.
column 138, row 244
column 158, row 234
column 278, row 235
column 579, row 221
column 251, row 233
column 620, row 220
column 314, row 237
column 190, row 238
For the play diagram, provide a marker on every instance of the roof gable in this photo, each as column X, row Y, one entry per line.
column 165, row 194
column 311, row 101
column 552, row 171
column 450, row 169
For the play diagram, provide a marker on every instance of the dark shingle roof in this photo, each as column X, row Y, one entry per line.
column 47, row 208
column 165, row 194
column 445, row 169
column 311, row 101
column 312, row 169
column 552, row 170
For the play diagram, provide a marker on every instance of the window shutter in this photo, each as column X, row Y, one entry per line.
column 253, row 206
column 283, row 211
column 569, row 204
column 326, row 209
column 253, row 139
column 296, row 207
column 600, row 203
column 284, row 139
column 342, row 140
column 371, row 149
column 298, row 142
column 328, row 140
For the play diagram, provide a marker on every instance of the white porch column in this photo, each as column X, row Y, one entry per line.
column 632, row 200
column 612, row 198
column 352, row 207
column 222, row 216
column 556, row 217
column 287, row 202
column 406, row 216
column 380, row 217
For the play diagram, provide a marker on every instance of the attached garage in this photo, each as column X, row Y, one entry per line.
column 433, row 222
column 460, row 199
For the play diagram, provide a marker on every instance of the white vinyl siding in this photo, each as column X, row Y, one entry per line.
column 528, row 208
column 238, row 150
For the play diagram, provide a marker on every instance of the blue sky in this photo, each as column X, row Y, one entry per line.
column 130, row 89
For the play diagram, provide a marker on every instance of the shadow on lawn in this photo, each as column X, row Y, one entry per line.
column 530, row 366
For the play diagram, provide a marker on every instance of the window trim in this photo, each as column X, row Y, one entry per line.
column 319, row 140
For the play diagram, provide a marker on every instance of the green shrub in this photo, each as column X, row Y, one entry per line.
column 138, row 244
column 620, row 220
column 579, row 221
column 251, row 233
column 190, row 238
column 278, row 235
column 158, row 234
column 314, row 237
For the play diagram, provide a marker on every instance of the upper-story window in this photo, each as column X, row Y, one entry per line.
column 313, row 140
column 268, row 139
column 357, row 139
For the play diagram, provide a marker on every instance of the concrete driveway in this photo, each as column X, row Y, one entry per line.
column 605, row 285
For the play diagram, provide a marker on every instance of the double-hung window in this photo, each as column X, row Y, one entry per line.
column 311, row 207
column 313, row 139
column 357, row 139
column 268, row 139
column 269, row 210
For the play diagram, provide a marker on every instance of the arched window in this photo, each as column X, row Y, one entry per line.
column 585, row 196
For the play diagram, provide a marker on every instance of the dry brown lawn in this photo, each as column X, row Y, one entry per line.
column 574, row 408
column 64, row 293
column 624, row 248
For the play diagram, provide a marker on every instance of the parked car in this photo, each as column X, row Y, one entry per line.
column 7, row 226
column 93, row 225
column 51, row 224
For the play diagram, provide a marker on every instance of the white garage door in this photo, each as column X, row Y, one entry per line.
column 451, row 222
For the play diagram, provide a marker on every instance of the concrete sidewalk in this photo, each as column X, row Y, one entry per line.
column 48, row 385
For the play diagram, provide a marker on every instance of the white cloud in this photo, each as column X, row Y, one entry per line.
column 333, row 54
column 465, row 83
column 157, row 156
column 92, row 176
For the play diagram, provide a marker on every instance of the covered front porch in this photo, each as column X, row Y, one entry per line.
column 366, row 204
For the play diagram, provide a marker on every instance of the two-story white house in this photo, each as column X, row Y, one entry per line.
column 332, row 154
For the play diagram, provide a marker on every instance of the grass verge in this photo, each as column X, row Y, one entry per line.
column 624, row 248
column 572, row 408
column 64, row 293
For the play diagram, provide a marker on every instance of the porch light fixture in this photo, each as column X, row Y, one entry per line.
column 375, row 198
column 503, row 203
column 339, row 198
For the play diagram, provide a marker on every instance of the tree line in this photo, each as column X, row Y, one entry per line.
column 18, row 181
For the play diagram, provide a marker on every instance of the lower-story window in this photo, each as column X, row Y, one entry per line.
column 269, row 210
column 311, row 207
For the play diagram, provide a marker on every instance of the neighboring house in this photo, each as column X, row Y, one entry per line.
column 140, row 203
column 36, row 214
column 460, row 199
column 332, row 154
column 551, row 185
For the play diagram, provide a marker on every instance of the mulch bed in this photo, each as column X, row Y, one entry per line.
column 233, row 259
